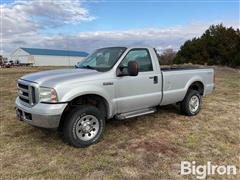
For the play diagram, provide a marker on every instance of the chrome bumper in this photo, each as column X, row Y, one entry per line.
column 40, row 115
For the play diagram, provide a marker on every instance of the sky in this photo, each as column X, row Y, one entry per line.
column 85, row 25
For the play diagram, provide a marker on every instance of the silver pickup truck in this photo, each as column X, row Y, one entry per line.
column 114, row 82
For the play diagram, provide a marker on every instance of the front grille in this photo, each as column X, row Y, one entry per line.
column 26, row 93
column 23, row 86
column 24, row 100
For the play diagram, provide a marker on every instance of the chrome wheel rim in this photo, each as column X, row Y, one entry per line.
column 194, row 104
column 87, row 127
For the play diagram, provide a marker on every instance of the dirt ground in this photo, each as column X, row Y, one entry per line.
column 148, row 147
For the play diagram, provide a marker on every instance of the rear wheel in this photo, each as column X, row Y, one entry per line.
column 83, row 126
column 191, row 104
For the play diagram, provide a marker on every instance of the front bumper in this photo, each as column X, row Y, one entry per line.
column 41, row 115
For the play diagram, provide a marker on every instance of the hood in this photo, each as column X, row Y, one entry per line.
column 61, row 75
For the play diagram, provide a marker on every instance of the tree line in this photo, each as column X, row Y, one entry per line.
column 218, row 45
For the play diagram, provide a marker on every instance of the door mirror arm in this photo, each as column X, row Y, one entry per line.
column 120, row 72
column 132, row 69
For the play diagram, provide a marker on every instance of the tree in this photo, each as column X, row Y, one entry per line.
column 167, row 57
column 217, row 46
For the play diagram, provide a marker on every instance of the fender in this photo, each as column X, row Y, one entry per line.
column 191, row 81
column 90, row 89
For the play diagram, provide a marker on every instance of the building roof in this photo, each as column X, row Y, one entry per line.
column 53, row 52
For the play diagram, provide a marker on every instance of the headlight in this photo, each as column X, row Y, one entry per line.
column 47, row 95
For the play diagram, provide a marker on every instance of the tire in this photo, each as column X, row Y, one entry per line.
column 83, row 126
column 188, row 107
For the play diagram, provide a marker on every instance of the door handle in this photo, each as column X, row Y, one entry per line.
column 155, row 79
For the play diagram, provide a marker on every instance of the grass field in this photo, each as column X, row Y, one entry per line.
column 148, row 147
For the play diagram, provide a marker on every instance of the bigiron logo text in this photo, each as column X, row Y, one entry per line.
column 202, row 171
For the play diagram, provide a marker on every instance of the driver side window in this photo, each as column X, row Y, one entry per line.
column 141, row 56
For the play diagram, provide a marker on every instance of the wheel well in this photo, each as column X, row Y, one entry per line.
column 90, row 99
column 198, row 86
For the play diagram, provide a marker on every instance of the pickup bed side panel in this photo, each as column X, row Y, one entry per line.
column 176, row 83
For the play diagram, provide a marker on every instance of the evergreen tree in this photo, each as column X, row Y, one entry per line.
column 217, row 46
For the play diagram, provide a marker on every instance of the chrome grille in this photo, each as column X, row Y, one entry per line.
column 26, row 93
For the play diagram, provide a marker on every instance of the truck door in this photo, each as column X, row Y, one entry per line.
column 141, row 91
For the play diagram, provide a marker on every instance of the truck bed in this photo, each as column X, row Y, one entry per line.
column 176, row 81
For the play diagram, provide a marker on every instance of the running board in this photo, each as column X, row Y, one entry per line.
column 135, row 113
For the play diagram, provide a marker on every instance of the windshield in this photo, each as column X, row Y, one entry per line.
column 102, row 59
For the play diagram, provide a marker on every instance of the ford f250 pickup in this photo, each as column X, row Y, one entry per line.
column 114, row 82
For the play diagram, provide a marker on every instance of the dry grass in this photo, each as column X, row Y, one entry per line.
column 148, row 147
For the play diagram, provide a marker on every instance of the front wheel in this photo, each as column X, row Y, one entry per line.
column 83, row 126
column 191, row 104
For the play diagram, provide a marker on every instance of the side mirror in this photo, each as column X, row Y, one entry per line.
column 133, row 68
